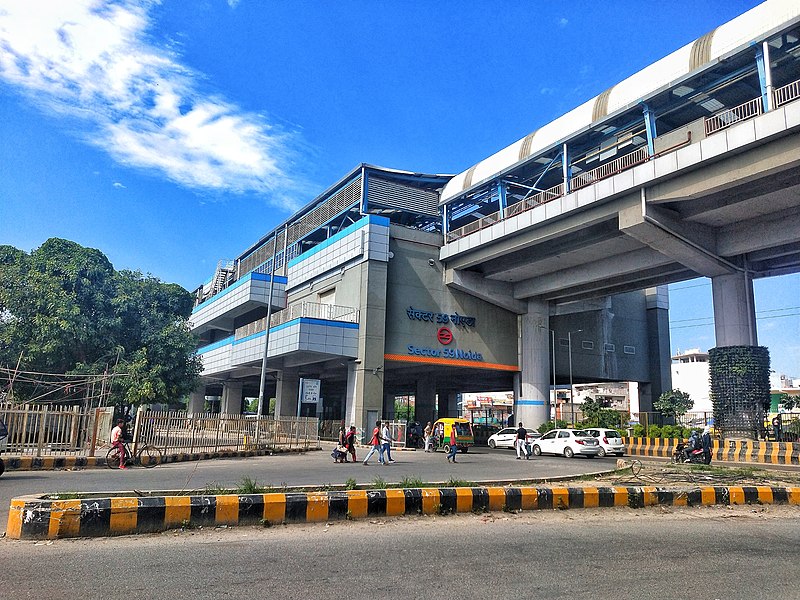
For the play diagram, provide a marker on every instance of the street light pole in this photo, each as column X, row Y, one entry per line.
column 571, row 389
column 555, row 396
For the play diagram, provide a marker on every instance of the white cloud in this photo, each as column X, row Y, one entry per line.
column 563, row 22
column 91, row 59
column 233, row 3
column 118, row 185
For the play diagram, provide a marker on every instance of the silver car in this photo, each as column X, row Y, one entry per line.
column 610, row 441
column 567, row 442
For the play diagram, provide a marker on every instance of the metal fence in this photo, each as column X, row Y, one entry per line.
column 68, row 431
column 180, row 431
column 54, row 430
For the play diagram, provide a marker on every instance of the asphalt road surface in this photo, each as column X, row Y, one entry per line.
column 741, row 552
column 312, row 468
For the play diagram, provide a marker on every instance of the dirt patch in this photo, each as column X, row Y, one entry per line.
column 634, row 472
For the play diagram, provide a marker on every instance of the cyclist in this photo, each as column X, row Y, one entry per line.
column 117, row 438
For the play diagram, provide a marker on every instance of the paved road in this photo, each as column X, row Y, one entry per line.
column 312, row 468
column 741, row 553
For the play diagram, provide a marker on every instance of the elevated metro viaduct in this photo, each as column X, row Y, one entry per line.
column 393, row 282
column 690, row 168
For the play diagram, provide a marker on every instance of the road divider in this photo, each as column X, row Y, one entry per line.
column 43, row 517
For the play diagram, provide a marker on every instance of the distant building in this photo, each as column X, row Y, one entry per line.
column 690, row 375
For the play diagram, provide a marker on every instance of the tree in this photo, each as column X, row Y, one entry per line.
column 64, row 309
column 788, row 402
column 673, row 403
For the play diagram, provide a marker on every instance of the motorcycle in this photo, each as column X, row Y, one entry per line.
column 696, row 457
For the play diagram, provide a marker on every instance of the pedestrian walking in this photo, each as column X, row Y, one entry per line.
column 375, row 442
column 386, row 440
column 453, row 444
column 519, row 443
column 427, row 436
column 350, row 441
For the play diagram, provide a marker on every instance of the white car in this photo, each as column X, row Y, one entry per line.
column 567, row 442
column 610, row 441
column 506, row 437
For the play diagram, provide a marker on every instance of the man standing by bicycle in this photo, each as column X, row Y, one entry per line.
column 116, row 442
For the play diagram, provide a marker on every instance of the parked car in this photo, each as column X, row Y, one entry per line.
column 505, row 437
column 567, row 442
column 610, row 441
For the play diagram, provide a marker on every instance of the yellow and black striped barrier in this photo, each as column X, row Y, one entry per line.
column 750, row 451
column 37, row 517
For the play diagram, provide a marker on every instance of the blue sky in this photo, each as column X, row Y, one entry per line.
column 173, row 134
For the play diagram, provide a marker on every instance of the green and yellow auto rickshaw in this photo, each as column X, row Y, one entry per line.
column 443, row 434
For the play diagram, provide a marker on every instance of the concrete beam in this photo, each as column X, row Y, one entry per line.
column 495, row 292
column 534, row 234
column 692, row 245
column 597, row 271
column 759, row 234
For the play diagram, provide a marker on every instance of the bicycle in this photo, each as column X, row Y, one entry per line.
column 147, row 456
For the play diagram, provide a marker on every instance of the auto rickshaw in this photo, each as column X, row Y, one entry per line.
column 442, row 432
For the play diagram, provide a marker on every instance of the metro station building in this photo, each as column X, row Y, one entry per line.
column 544, row 264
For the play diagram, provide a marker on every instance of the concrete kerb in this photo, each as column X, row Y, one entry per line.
column 100, row 515
column 51, row 463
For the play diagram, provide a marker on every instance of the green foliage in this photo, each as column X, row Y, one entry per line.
column 379, row 483
column 673, row 403
column 740, row 389
column 403, row 411
column 64, row 309
column 549, row 425
column 411, row 482
column 591, row 411
column 452, row 482
column 789, row 402
column 213, row 488
column 350, row 484
column 638, row 430
column 249, row 486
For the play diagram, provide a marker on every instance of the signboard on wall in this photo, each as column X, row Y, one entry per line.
column 310, row 399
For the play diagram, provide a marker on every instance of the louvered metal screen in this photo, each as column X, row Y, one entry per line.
column 390, row 194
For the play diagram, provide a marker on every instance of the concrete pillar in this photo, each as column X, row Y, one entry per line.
column 287, row 393
column 425, row 399
column 734, row 310
column 197, row 401
column 388, row 407
column 364, row 395
column 659, row 354
column 532, row 406
column 231, row 398
column 365, row 380
column 453, row 409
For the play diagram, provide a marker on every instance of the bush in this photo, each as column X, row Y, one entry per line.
column 549, row 425
column 654, row 431
column 638, row 430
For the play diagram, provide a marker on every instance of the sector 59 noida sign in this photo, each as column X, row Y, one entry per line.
column 444, row 335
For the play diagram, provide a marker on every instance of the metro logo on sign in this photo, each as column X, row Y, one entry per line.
column 444, row 335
